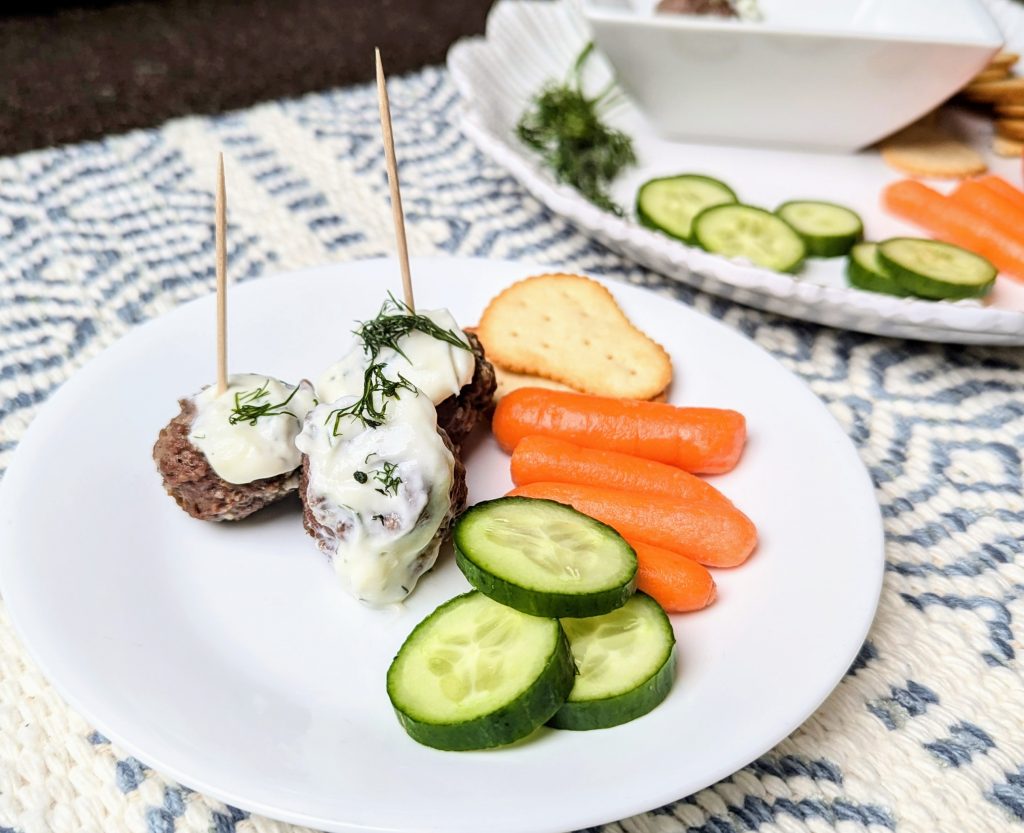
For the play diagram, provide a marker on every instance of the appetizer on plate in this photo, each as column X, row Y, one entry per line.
column 227, row 455
column 381, row 482
column 427, row 349
column 381, row 476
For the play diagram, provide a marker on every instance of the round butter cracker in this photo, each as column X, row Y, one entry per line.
column 927, row 150
column 1003, row 60
column 1010, row 129
column 1006, row 90
column 569, row 329
column 1002, row 146
column 1010, row 111
column 990, row 74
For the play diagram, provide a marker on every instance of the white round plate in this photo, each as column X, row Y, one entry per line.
column 227, row 657
column 530, row 43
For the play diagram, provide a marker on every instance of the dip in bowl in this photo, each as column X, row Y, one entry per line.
column 830, row 75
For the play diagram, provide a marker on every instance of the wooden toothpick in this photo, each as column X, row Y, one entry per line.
column 222, row 279
column 396, row 195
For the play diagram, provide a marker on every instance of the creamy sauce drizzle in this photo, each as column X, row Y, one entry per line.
column 437, row 368
column 244, row 452
column 383, row 492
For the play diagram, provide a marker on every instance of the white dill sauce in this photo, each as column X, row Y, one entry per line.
column 435, row 366
column 382, row 492
column 239, row 447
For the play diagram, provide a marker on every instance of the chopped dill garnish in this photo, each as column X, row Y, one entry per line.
column 388, row 479
column 395, row 321
column 371, row 408
column 248, row 407
column 360, row 476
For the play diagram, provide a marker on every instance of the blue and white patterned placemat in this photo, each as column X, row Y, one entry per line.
column 925, row 734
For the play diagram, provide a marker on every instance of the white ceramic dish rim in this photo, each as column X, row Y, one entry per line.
column 956, row 319
column 87, row 710
column 992, row 39
column 964, row 322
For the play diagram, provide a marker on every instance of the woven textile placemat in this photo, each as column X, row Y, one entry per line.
column 926, row 732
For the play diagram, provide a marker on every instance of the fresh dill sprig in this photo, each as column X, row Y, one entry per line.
column 371, row 407
column 387, row 478
column 564, row 126
column 395, row 321
column 248, row 407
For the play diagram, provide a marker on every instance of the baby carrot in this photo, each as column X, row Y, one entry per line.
column 700, row 440
column 537, row 459
column 955, row 224
column 708, row 532
column 677, row 583
column 1001, row 213
column 1000, row 186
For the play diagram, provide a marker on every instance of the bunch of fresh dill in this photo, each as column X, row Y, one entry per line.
column 565, row 127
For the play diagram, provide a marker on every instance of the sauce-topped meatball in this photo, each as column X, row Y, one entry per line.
column 225, row 456
column 380, row 491
column 428, row 349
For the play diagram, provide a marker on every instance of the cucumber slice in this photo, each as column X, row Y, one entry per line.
column 476, row 674
column 543, row 557
column 670, row 203
column 865, row 272
column 827, row 229
column 936, row 270
column 626, row 662
column 744, row 231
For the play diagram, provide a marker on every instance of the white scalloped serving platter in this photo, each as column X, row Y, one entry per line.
column 528, row 43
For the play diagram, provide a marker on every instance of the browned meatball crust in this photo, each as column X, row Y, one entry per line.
column 326, row 537
column 459, row 414
column 189, row 478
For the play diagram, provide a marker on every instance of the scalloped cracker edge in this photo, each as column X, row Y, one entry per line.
column 1002, row 146
column 1004, row 91
column 509, row 380
column 569, row 329
column 1003, row 59
column 991, row 74
column 925, row 149
column 1011, row 129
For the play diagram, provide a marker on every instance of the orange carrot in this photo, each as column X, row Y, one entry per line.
column 677, row 583
column 1004, row 188
column 953, row 223
column 999, row 212
column 708, row 532
column 537, row 459
column 702, row 440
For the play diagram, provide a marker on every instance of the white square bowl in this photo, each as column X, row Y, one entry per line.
column 833, row 75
